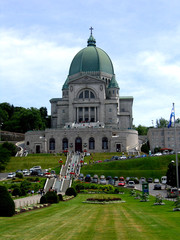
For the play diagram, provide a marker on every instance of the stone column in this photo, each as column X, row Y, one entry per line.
column 95, row 118
column 89, row 114
column 83, row 114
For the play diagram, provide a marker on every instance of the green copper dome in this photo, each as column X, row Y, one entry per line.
column 66, row 86
column 91, row 59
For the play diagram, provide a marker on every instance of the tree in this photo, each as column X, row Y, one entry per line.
column 142, row 130
column 171, row 174
column 7, row 206
column 10, row 147
column 145, row 147
column 161, row 123
column 19, row 119
column 4, row 157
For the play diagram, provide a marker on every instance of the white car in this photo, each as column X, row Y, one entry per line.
column 131, row 184
column 11, row 175
column 156, row 180
column 158, row 154
column 122, row 157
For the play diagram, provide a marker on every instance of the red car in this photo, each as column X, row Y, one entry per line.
column 121, row 184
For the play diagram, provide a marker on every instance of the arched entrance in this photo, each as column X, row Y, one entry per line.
column 78, row 144
column 37, row 148
column 65, row 144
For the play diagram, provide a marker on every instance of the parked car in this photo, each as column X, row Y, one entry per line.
column 150, row 180
column 88, row 178
column 108, row 177
column 173, row 192
column 11, row 175
column 121, row 179
column 156, row 180
column 94, row 180
column 116, row 178
column 164, row 179
column 122, row 157
column 81, row 177
column 157, row 186
column 158, row 154
column 131, row 184
column 111, row 181
column 121, row 184
column 102, row 177
column 103, row 181
column 143, row 179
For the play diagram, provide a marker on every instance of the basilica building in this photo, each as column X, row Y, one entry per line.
column 91, row 116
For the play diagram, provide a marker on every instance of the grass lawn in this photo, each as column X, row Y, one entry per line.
column 77, row 220
column 44, row 160
column 154, row 167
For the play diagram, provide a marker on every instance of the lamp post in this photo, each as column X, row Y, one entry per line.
column 45, row 143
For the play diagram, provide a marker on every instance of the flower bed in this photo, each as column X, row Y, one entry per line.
column 31, row 207
column 103, row 200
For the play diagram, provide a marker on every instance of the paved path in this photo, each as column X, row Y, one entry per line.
column 27, row 200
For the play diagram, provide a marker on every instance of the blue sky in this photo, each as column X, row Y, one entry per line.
column 38, row 40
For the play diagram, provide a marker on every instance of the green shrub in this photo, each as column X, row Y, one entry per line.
column 25, row 186
column 43, row 199
column 19, row 175
column 52, row 197
column 17, row 191
column 60, row 197
column 71, row 192
column 7, row 206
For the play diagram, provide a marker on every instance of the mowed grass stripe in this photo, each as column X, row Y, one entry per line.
column 76, row 220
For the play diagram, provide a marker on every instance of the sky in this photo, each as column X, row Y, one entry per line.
column 39, row 38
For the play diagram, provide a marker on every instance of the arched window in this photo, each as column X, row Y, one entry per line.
column 92, row 95
column 51, row 144
column 104, row 143
column 87, row 94
column 91, row 143
column 81, row 95
column 65, row 143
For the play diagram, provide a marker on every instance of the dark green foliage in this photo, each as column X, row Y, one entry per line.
column 19, row 119
column 4, row 157
column 52, row 197
column 43, row 199
column 25, row 186
column 19, row 175
column 7, row 206
column 10, row 147
column 116, row 190
column 171, row 174
column 71, row 192
column 17, row 191
column 161, row 123
column 145, row 147
column 60, row 197
column 142, row 130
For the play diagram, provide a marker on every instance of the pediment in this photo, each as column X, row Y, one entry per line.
column 86, row 80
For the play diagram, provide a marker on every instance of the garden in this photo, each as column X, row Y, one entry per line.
column 73, row 219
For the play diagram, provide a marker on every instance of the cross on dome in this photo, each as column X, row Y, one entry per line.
column 91, row 28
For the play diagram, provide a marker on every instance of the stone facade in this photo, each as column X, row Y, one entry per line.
column 164, row 138
column 91, row 115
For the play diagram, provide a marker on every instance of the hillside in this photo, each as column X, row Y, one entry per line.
column 139, row 167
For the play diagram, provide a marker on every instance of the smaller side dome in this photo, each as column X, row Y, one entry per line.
column 113, row 83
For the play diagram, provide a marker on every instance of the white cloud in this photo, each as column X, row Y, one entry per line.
column 32, row 69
